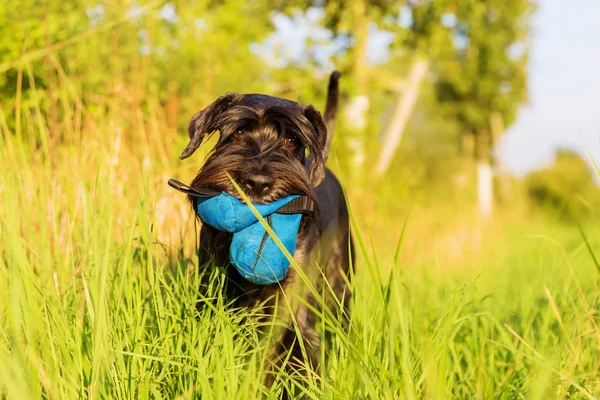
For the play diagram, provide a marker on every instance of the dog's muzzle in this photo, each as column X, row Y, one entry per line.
column 253, row 252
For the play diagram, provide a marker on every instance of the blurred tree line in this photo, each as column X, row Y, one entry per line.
column 566, row 189
column 429, row 86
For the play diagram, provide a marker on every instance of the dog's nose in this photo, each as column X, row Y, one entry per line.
column 258, row 184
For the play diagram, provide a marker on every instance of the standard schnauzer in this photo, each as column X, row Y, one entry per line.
column 263, row 147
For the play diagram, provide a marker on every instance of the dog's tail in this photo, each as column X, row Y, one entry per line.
column 331, row 108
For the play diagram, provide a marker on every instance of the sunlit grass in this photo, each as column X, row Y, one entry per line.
column 98, row 288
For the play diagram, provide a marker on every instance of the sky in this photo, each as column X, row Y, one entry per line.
column 564, row 84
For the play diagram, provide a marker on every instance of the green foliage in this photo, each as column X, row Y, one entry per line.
column 178, row 57
column 565, row 189
column 29, row 26
column 97, row 261
column 481, row 67
column 429, row 160
column 93, row 305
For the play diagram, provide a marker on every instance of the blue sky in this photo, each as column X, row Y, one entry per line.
column 564, row 84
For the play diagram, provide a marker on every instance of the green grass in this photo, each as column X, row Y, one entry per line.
column 98, row 286
column 92, row 304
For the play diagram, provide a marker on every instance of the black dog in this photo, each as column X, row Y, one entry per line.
column 262, row 146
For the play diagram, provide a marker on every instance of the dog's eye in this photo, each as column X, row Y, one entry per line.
column 290, row 141
column 238, row 134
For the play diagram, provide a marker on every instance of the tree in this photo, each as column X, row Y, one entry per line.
column 359, row 21
column 566, row 186
column 422, row 41
column 356, row 18
column 30, row 26
column 145, row 55
column 481, row 75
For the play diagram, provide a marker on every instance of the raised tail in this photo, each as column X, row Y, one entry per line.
column 331, row 108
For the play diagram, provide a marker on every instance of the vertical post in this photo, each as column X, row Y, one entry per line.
column 485, row 188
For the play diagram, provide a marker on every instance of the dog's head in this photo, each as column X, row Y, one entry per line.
column 262, row 145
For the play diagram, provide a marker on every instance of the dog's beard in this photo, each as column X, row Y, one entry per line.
column 288, row 174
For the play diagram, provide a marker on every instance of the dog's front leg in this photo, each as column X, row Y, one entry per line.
column 293, row 344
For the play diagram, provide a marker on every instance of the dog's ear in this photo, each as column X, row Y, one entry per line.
column 205, row 122
column 317, row 146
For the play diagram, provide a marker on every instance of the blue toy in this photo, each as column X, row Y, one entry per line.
column 253, row 252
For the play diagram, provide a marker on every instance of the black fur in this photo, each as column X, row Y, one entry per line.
column 262, row 146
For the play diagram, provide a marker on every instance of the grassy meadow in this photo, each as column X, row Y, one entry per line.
column 98, row 285
column 98, row 274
